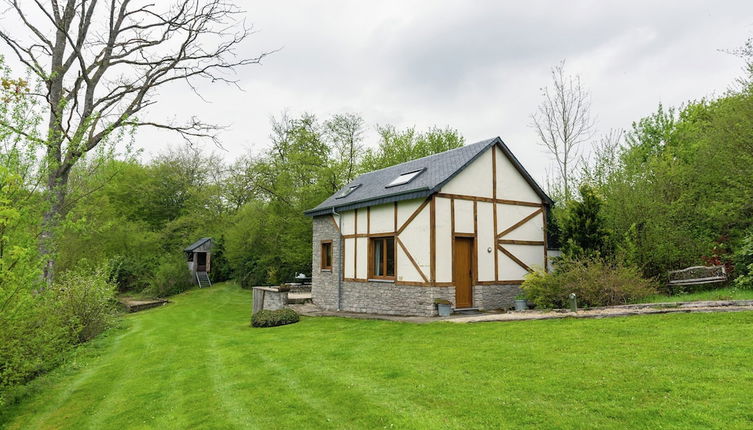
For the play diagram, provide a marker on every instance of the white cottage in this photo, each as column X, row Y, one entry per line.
column 465, row 225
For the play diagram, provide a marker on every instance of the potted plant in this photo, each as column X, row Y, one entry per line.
column 520, row 302
column 444, row 307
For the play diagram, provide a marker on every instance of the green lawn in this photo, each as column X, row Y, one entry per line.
column 727, row 293
column 196, row 364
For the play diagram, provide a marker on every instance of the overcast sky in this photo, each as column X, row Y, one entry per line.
column 476, row 66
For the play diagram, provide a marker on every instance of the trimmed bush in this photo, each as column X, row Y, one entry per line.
column 274, row 318
column 595, row 282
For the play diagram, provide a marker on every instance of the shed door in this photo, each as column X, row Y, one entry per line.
column 462, row 272
column 201, row 261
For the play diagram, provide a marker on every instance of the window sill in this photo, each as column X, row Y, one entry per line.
column 386, row 281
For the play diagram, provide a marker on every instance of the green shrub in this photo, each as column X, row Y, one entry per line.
column 743, row 259
column 33, row 339
column 595, row 282
column 129, row 273
column 171, row 277
column 274, row 318
column 86, row 302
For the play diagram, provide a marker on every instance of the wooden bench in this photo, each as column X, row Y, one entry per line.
column 697, row 275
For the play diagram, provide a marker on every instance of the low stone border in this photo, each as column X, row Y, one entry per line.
column 133, row 305
column 617, row 311
column 601, row 312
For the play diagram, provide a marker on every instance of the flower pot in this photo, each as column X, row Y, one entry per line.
column 521, row 305
column 444, row 310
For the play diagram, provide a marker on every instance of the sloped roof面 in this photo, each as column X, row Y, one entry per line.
column 197, row 244
column 436, row 170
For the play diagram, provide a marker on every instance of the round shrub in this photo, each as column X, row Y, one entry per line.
column 274, row 318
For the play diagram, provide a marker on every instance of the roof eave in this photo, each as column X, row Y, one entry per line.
column 395, row 197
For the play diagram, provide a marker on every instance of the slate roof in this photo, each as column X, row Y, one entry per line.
column 197, row 244
column 439, row 169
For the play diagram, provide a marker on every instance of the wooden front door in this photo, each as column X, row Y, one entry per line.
column 462, row 272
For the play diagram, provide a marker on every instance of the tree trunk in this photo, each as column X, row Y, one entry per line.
column 57, row 187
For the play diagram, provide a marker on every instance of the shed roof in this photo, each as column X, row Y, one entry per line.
column 438, row 169
column 197, row 244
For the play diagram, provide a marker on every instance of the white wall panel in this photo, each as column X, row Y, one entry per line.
column 485, row 241
column 443, row 241
column 362, row 257
column 416, row 238
column 348, row 220
column 405, row 209
column 349, row 249
column 382, row 218
column 475, row 179
column 463, row 216
column 510, row 183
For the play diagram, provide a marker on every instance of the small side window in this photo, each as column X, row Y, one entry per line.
column 327, row 255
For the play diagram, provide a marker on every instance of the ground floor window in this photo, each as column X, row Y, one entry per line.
column 382, row 264
column 327, row 255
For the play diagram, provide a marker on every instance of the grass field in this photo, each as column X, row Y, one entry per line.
column 727, row 293
column 196, row 364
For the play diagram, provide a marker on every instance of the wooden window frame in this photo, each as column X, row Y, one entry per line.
column 326, row 244
column 372, row 241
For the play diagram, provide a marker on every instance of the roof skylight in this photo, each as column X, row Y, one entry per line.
column 404, row 178
column 346, row 192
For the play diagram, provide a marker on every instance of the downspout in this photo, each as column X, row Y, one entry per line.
column 340, row 261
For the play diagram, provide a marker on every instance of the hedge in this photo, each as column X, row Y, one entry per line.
column 274, row 318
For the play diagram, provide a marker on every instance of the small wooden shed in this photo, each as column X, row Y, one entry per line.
column 199, row 257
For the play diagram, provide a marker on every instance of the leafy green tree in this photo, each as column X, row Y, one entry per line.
column 398, row 146
column 583, row 232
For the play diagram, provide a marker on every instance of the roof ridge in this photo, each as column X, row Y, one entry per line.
column 488, row 141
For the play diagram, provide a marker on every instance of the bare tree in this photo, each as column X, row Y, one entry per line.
column 101, row 64
column 563, row 122
column 604, row 158
column 346, row 133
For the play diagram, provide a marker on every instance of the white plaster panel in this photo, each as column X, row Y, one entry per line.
column 416, row 238
column 405, row 209
column 405, row 270
column 443, row 231
column 510, row 183
column 485, row 242
column 475, row 179
column 532, row 256
column 463, row 216
column 531, row 230
column 348, row 220
column 508, row 215
column 362, row 257
column 349, row 250
column 382, row 218
column 362, row 218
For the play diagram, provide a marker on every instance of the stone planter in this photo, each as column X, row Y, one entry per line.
column 444, row 310
column 521, row 305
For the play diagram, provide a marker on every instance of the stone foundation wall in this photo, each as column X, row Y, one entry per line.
column 495, row 296
column 390, row 299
